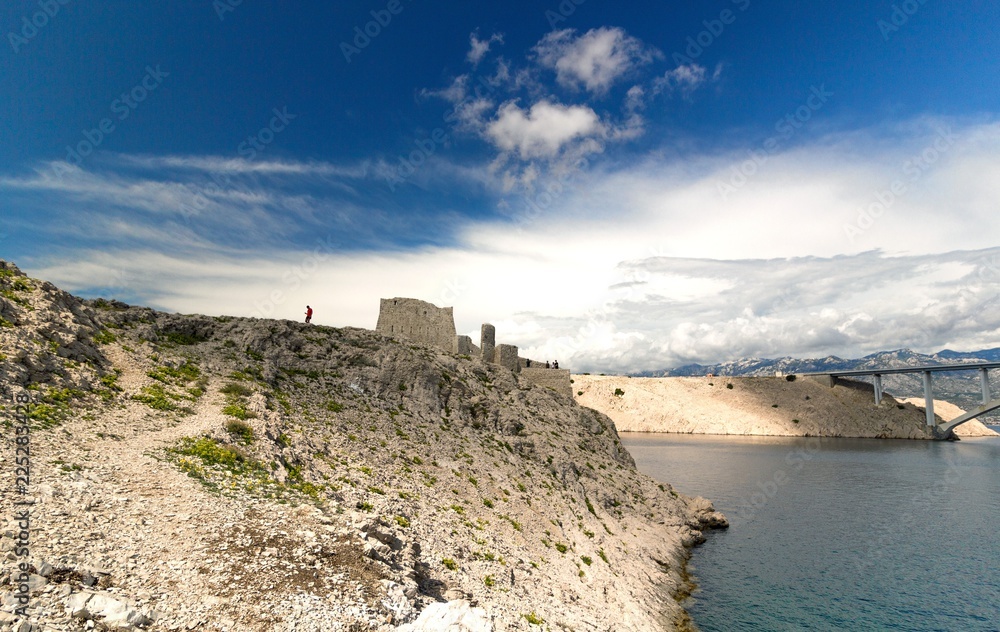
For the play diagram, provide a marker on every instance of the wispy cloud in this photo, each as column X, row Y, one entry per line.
column 594, row 60
column 640, row 265
column 479, row 47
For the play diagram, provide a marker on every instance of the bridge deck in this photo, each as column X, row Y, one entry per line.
column 989, row 404
column 909, row 369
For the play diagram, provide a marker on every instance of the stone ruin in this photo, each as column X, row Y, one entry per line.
column 423, row 322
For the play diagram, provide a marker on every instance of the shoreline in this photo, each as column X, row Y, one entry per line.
column 761, row 406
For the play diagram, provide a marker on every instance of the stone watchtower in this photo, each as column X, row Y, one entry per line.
column 488, row 341
column 418, row 321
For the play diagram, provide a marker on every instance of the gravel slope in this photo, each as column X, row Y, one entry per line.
column 191, row 472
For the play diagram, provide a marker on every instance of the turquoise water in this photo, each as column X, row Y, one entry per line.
column 839, row 534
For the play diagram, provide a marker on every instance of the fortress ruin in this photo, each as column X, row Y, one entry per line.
column 423, row 322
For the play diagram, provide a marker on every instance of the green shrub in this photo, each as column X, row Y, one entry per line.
column 619, row 392
column 187, row 372
column 562, row 548
column 238, row 410
column 586, row 560
column 156, row 397
column 179, row 338
column 533, row 618
column 729, row 386
column 211, row 453
column 240, row 430
column 233, row 388
column 450, row 564
column 104, row 337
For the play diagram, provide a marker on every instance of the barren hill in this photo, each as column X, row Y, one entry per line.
column 191, row 472
column 755, row 406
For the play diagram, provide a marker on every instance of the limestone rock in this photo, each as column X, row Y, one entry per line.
column 453, row 616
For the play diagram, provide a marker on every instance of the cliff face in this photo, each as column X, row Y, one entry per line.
column 755, row 406
column 244, row 474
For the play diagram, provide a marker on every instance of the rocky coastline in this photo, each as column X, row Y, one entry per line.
column 219, row 473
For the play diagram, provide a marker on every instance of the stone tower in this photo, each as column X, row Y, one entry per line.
column 417, row 320
column 488, row 341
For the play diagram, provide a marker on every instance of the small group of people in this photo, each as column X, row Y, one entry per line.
column 548, row 365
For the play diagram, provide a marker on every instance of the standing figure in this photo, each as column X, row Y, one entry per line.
column 309, row 313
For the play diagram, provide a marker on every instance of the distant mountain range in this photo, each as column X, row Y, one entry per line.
column 961, row 388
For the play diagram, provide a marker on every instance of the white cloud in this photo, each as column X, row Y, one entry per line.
column 685, row 79
column 544, row 130
column 479, row 48
column 644, row 265
column 595, row 60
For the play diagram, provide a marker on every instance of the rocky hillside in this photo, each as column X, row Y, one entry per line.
column 767, row 406
column 190, row 472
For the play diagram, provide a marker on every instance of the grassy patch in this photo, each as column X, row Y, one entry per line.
column 533, row 618
column 450, row 564
column 238, row 411
column 237, row 389
column 105, row 337
column 240, row 431
column 157, row 398
column 187, row 372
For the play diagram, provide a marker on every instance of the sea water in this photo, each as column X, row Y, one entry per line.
column 839, row 534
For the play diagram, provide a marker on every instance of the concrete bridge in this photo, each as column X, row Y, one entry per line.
column 989, row 404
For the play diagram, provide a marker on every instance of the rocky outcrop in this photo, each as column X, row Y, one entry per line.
column 769, row 406
column 195, row 472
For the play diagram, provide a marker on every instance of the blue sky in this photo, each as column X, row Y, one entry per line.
column 620, row 187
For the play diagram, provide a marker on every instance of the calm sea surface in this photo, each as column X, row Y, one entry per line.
column 839, row 534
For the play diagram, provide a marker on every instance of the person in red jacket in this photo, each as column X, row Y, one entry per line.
column 309, row 313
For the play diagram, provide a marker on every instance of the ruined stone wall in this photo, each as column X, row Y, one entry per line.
column 506, row 356
column 556, row 379
column 463, row 345
column 418, row 321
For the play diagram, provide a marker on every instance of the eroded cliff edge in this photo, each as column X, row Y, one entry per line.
column 242, row 474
